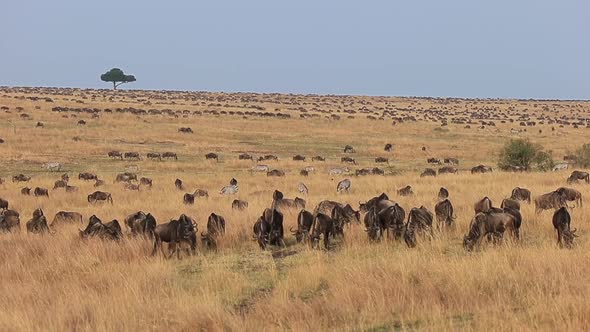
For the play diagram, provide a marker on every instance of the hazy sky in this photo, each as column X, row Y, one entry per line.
column 469, row 48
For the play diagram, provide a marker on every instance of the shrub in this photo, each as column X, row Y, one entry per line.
column 583, row 156
column 523, row 154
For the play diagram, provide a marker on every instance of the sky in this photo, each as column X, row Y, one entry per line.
column 450, row 48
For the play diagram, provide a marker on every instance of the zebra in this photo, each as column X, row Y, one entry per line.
column 53, row 166
column 260, row 168
column 343, row 185
column 339, row 170
column 229, row 189
column 302, row 188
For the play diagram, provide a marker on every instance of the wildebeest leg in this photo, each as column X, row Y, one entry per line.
column 327, row 240
column 559, row 235
column 157, row 243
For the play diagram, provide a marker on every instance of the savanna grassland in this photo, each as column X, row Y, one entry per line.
column 59, row 282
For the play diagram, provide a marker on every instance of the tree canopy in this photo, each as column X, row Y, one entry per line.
column 117, row 76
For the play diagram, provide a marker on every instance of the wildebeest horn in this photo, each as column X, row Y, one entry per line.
column 292, row 231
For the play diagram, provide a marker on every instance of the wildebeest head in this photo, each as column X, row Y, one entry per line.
column 475, row 231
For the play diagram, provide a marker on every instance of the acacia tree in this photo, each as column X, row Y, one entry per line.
column 117, row 76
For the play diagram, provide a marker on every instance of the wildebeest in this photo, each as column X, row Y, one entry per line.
column 434, row 161
column 146, row 181
column 405, row 191
column 428, row 172
column 115, row 154
column 200, row 193
column 304, row 224
column 175, row 233
column 481, row 169
column 60, row 184
column 178, row 184
column 444, row 214
column 349, row 149
column 390, row 220
column 381, row 160
column 342, row 215
column 212, row 155
column 268, row 229
column 280, row 203
column 188, row 199
column 388, row 147
column 245, row 156
column 561, row 223
column 3, row 204
column 140, row 223
column 21, row 178
column 298, row 158
column 494, row 224
column 40, row 192
column 108, row 231
column 552, row 200
column 419, row 222
column 448, row 170
column 66, row 217
column 185, row 130
column 303, row 172
column 275, row 172
column 26, row 191
column 570, row 195
column 302, row 188
column 100, row 196
column 318, row 158
column 521, row 194
column 154, row 156
column 170, row 155
column 268, row 157
column 215, row 229
column 349, row 160
column 483, row 205
column 452, row 161
column 239, row 204
column 126, row 177
column 443, row 193
column 510, row 203
column 9, row 221
column 37, row 224
column 98, row 183
column 322, row 225
column 132, row 155
column 343, row 186
column 578, row 175
column 87, row 176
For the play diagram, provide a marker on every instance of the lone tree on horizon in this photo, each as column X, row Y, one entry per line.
column 117, row 76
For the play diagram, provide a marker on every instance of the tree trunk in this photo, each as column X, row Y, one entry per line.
column 114, row 85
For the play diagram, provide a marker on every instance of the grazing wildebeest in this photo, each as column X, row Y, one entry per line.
column 188, row 199
column 444, row 214
column 38, row 224
column 65, row 177
column 174, row 233
column 40, row 192
column 132, row 155
column 298, row 158
column 98, row 183
column 382, row 160
column 81, row 123
column 239, row 204
column 510, row 203
column 146, row 181
column 68, row 217
column 245, row 156
column 322, row 225
column 26, row 191
column 108, row 231
column 362, row 172
column 349, row 149
column 552, row 200
column 100, row 196
column 318, row 158
column 338, row 170
column 388, row 147
column 229, row 189
column 391, row 220
column 419, row 221
column 428, row 172
column 561, row 223
column 268, row 157
column 154, row 156
column 60, row 184
column 452, row 161
column 268, row 229
column 126, row 177
column 140, row 223
column 483, row 205
column 578, row 175
column 448, row 170
column 304, row 225
column 443, row 193
column 178, row 184
column 349, row 160
column 21, row 178
column 494, row 224
column 405, row 191
column 570, row 195
column 280, row 203
column 170, row 155
column 303, row 172
column 200, row 193
column 275, row 172
column 3, row 204
column 115, row 154
column 434, row 161
column 343, row 186
column 185, row 130
column 481, row 169
column 382, row 201
column 212, row 155
column 9, row 221
column 131, row 186
column 521, row 194
column 87, row 176
column 342, row 215
column 215, row 229
column 302, row 188
column 377, row 171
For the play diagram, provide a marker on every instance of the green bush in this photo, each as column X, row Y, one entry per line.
column 523, row 154
column 583, row 156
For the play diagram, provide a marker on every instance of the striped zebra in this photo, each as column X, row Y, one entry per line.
column 302, row 188
column 343, row 185
column 53, row 166
column 229, row 190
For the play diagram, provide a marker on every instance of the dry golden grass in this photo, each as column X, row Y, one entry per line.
column 59, row 282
